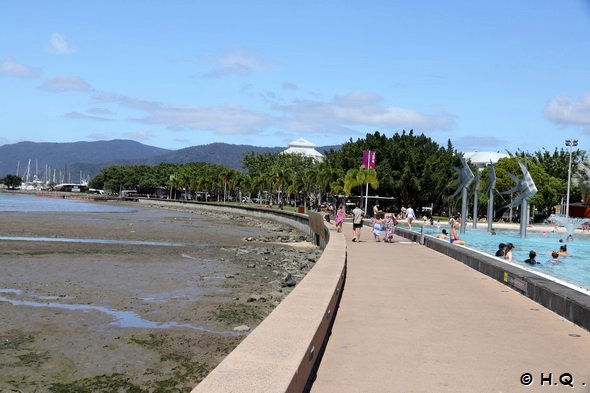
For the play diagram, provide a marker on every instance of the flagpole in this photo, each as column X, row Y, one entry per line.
column 367, row 198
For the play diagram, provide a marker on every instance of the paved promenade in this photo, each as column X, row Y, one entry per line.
column 414, row 320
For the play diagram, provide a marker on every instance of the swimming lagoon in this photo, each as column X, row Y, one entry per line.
column 573, row 269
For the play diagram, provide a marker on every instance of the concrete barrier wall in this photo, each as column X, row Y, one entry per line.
column 283, row 352
column 561, row 299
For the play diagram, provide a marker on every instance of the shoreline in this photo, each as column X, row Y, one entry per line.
column 227, row 275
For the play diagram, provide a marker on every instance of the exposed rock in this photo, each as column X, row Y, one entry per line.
column 288, row 281
column 256, row 297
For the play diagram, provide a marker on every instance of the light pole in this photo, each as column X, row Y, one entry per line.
column 570, row 143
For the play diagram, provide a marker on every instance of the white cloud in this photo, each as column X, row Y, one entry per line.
column 97, row 136
column 10, row 67
column 83, row 116
column 238, row 62
column 59, row 45
column 139, row 135
column 100, row 111
column 479, row 143
column 65, row 83
column 222, row 120
column 355, row 110
column 350, row 113
column 567, row 111
column 289, row 86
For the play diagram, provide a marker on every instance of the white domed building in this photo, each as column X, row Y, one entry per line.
column 481, row 159
column 304, row 147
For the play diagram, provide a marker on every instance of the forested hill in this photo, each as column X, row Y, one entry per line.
column 91, row 157
column 74, row 156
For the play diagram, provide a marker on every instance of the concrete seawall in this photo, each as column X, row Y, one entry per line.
column 567, row 302
column 282, row 354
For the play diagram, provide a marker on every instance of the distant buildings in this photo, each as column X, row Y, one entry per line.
column 304, row 147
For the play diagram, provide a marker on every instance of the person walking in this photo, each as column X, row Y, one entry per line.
column 339, row 217
column 410, row 216
column 377, row 227
column 357, row 222
column 390, row 223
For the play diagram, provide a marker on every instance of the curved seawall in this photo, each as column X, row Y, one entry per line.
column 283, row 352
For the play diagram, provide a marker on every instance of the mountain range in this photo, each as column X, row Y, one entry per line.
column 75, row 161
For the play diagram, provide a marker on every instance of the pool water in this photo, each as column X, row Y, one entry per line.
column 574, row 269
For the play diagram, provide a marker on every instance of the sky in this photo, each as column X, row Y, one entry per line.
column 490, row 76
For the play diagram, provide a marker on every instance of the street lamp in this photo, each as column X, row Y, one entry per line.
column 570, row 143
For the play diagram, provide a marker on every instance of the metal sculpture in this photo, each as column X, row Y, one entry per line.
column 526, row 189
column 475, row 199
column 491, row 188
column 464, row 180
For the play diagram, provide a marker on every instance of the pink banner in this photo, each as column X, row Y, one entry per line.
column 369, row 159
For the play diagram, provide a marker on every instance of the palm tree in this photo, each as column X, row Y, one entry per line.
column 357, row 177
column 172, row 179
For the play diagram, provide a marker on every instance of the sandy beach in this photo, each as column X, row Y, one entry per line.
column 152, row 302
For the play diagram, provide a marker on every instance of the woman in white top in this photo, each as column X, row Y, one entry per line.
column 410, row 216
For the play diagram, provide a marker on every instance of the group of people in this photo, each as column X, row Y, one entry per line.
column 505, row 251
column 453, row 236
column 383, row 223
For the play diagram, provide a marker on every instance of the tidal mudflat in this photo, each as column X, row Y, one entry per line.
column 142, row 301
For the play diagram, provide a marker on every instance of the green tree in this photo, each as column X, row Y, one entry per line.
column 12, row 181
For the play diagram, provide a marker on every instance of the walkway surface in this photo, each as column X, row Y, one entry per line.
column 414, row 320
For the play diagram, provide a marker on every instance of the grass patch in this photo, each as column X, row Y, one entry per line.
column 32, row 359
column 15, row 343
column 237, row 313
column 152, row 341
column 112, row 383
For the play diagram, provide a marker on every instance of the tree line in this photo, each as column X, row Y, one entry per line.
column 410, row 169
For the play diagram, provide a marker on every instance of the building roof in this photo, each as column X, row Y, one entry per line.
column 482, row 158
column 304, row 147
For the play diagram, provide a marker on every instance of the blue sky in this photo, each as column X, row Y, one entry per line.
column 490, row 76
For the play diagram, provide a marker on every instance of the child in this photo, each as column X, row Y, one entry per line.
column 339, row 217
column 377, row 227
column 532, row 260
column 508, row 251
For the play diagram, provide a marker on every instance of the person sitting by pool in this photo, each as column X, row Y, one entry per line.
column 454, row 238
column 508, row 251
column 555, row 255
column 443, row 234
column 500, row 252
column 563, row 251
column 531, row 260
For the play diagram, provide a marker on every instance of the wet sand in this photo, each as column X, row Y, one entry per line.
column 135, row 317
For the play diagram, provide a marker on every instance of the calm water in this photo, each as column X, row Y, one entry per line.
column 32, row 203
column 574, row 269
